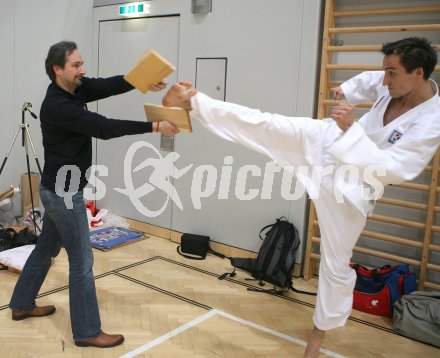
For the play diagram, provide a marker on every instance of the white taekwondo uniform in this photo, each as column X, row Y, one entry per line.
column 401, row 149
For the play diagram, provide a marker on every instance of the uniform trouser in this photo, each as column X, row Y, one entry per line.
column 340, row 225
column 300, row 142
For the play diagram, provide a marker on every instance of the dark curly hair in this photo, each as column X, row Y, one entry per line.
column 414, row 52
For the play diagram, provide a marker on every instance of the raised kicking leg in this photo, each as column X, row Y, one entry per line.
column 297, row 137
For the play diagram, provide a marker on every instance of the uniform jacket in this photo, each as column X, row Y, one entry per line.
column 397, row 152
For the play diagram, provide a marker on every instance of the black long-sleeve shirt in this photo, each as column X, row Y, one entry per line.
column 68, row 127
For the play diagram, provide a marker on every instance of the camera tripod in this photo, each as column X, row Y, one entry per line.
column 25, row 138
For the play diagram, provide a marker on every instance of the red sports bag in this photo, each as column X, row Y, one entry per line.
column 376, row 290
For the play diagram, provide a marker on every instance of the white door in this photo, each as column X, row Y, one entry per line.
column 121, row 44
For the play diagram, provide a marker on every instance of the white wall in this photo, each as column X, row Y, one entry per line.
column 7, row 119
column 272, row 51
column 27, row 29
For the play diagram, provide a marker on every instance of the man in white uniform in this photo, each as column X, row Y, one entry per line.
column 397, row 137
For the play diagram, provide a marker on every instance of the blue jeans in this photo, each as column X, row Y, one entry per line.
column 68, row 228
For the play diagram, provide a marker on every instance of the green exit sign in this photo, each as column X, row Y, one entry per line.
column 133, row 9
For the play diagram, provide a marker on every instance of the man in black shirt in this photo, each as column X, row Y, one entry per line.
column 67, row 128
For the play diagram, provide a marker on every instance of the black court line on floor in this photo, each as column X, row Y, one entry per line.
column 168, row 293
column 117, row 272
column 291, row 299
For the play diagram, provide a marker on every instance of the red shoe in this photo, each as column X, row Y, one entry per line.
column 104, row 340
column 36, row 312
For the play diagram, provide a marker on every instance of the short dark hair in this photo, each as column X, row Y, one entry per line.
column 57, row 55
column 414, row 52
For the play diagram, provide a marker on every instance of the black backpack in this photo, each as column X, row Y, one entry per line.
column 276, row 257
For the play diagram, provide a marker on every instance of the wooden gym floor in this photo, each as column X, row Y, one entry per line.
column 169, row 306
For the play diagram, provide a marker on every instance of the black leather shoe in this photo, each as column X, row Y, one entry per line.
column 104, row 340
column 36, row 312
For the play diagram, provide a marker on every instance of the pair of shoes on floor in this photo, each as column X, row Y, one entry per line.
column 104, row 340
column 36, row 312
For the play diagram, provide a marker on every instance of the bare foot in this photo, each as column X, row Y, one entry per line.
column 314, row 343
column 179, row 95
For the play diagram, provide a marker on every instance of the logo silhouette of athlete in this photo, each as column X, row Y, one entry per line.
column 163, row 169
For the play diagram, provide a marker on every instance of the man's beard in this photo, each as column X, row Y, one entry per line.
column 78, row 81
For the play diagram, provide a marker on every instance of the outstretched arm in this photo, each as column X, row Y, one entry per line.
column 100, row 88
